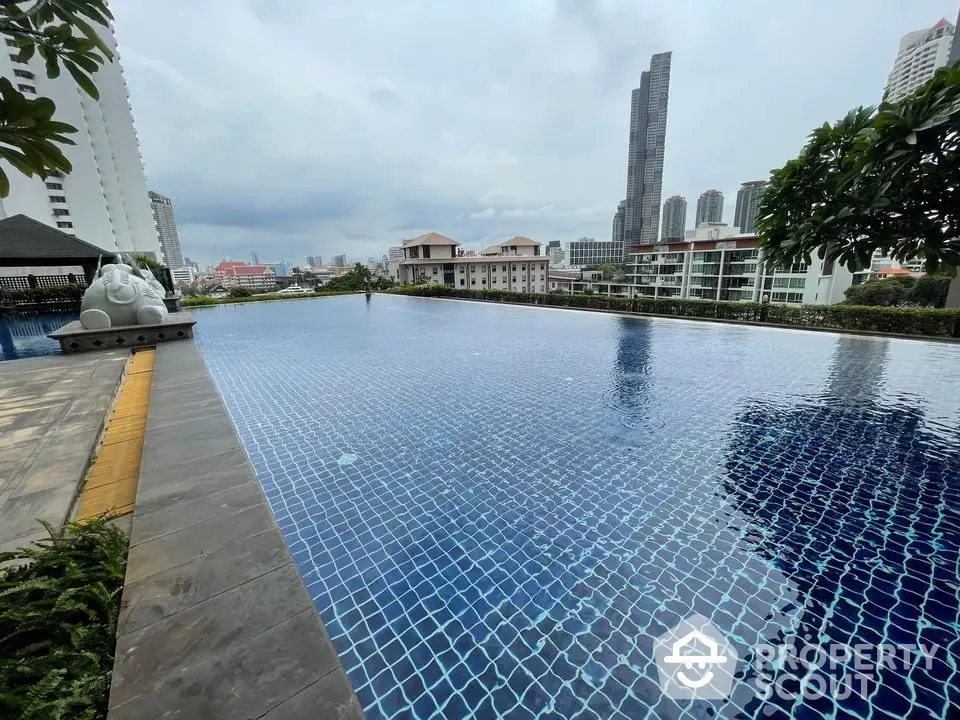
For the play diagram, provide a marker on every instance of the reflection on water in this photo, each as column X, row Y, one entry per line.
column 857, row 504
column 24, row 335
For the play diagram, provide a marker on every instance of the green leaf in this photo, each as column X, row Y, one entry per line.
column 83, row 80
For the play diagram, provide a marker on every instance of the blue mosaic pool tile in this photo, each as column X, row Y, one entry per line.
column 497, row 510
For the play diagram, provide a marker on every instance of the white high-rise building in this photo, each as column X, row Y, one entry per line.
column 167, row 230
column 104, row 199
column 921, row 53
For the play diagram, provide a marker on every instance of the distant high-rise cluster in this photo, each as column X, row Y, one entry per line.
column 315, row 261
column 674, row 219
column 648, row 133
column 709, row 207
column 745, row 215
column 340, row 261
column 921, row 52
column 166, row 230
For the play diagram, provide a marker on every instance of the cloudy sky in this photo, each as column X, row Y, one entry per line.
column 321, row 127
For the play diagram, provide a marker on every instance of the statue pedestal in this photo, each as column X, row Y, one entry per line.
column 73, row 338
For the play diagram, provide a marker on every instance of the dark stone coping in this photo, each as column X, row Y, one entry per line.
column 74, row 338
column 215, row 620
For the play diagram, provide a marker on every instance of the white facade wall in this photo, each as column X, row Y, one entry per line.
column 106, row 200
column 494, row 273
column 186, row 274
column 726, row 272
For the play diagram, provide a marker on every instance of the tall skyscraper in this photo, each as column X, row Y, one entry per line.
column 710, row 207
column 648, row 137
column 921, row 52
column 104, row 199
column 745, row 215
column 618, row 223
column 339, row 260
column 255, row 258
column 674, row 219
column 166, row 230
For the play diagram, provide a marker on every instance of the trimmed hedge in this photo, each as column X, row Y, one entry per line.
column 34, row 296
column 204, row 300
column 906, row 321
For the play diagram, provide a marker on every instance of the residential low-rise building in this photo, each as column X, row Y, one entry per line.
column 730, row 267
column 184, row 275
column 239, row 274
column 587, row 251
column 515, row 264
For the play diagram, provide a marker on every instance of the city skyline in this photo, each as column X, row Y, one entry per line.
column 389, row 160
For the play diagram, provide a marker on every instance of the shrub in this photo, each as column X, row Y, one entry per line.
column 61, row 294
column 240, row 292
column 903, row 320
column 58, row 621
column 198, row 300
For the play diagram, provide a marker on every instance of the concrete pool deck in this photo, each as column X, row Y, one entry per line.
column 52, row 410
column 215, row 619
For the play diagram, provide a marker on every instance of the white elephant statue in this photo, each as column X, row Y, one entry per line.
column 121, row 295
column 153, row 282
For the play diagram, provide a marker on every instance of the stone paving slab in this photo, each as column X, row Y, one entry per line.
column 52, row 410
column 215, row 621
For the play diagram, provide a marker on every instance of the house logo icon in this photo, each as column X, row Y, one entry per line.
column 695, row 661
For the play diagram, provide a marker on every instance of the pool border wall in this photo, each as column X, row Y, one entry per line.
column 215, row 619
column 719, row 321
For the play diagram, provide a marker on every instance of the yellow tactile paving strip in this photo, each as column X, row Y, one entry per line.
column 111, row 484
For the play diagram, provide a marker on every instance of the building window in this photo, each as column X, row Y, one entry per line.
column 461, row 269
column 60, row 212
column 514, row 278
column 514, row 268
column 541, row 266
column 434, row 269
column 462, row 282
column 58, row 198
column 493, row 281
column 473, row 268
column 27, row 88
column 54, row 186
column 26, row 74
column 541, row 277
column 62, row 224
column 503, row 269
column 483, row 281
column 473, row 281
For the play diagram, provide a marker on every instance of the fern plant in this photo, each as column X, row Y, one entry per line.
column 59, row 603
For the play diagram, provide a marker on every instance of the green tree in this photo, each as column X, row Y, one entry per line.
column 931, row 290
column 60, row 32
column 889, row 292
column 879, row 179
column 608, row 271
column 238, row 293
column 354, row 280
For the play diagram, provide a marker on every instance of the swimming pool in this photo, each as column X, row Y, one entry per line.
column 24, row 335
column 498, row 509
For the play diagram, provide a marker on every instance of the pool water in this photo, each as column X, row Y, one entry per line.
column 24, row 335
column 498, row 509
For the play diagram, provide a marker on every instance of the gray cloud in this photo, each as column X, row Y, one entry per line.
column 318, row 128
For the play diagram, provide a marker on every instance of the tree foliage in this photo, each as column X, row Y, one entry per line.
column 358, row 278
column 884, row 179
column 925, row 291
column 62, row 34
column 59, row 605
